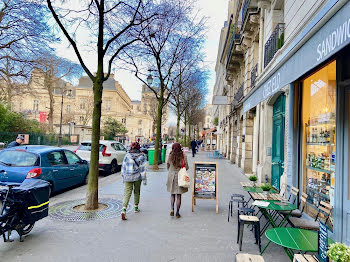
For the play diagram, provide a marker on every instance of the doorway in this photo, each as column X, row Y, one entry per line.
column 346, row 175
column 278, row 129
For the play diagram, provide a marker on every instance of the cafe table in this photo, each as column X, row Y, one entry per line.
column 253, row 189
column 274, row 205
column 294, row 239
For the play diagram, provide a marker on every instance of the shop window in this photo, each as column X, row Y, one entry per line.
column 318, row 126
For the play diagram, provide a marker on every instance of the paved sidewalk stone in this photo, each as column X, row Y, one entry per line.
column 151, row 235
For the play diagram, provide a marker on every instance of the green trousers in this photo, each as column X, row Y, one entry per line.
column 128, row 187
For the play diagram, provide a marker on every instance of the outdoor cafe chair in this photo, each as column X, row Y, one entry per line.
column 323, row 208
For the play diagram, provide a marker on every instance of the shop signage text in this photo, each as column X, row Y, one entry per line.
column 333, row 40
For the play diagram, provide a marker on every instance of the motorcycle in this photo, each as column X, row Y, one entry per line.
column 22, row 205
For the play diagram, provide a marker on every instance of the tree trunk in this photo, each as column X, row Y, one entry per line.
column 189, row 131
column 50, row 116
column 178, row 125
column 185, row 138
column 159, row 130
column 92, row 190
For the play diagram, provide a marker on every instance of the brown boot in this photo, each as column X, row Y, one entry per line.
column 172, row 213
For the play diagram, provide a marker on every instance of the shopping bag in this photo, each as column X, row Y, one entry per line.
column 183, row 177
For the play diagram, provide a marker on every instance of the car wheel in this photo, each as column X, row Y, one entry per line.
column 114, row 167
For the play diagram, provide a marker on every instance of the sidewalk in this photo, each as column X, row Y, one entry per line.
column 151, row 235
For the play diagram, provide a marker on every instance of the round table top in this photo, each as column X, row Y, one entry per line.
column 278, row 205
column 295, row 238
column 257, row 189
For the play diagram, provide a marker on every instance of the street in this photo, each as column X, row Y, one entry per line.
column 151, row 235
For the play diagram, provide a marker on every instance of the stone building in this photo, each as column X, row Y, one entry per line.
column 77, row 107
column 283, row 65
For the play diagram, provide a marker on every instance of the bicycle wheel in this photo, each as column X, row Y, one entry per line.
column 26, row 229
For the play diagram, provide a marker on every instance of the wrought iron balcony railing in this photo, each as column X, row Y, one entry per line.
column 235, row 38
column 253, row 75
column 274, row 43
column 239, row 93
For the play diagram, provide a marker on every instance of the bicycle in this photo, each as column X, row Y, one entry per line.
column 22, row 205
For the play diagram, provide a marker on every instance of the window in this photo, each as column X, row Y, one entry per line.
column 140, row 131
column 36, row 106
column 56, row 158
column 81, row 118
column 319, row 141
column 140, row 122
column 108, row 105
column 87, row 147
column 68, row 109
column 72, row 158
column 123, row 120
column 122, row 147
column 18, row 158
column 82, row 104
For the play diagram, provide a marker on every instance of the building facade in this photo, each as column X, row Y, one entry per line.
column 77, row 107
column 286, row 74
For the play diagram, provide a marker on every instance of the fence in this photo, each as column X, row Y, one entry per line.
column 41, row 139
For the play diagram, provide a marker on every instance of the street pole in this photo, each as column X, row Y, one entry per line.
column 60, row 134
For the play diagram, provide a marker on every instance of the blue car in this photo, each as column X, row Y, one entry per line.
column 61, row 167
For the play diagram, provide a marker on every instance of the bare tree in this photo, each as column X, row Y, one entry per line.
column 53, row 71
column 165, row 41
column 114, row 26
column 24, row 35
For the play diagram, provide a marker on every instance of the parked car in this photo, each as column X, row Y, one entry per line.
column 62, row 168
column 112, row 154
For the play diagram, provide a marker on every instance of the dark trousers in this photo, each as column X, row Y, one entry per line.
column 193, row 151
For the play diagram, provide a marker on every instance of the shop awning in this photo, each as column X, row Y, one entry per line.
column 208, row 131
column 294, row 62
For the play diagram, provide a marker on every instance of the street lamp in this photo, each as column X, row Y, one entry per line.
column 149, row 79
column 69, row 94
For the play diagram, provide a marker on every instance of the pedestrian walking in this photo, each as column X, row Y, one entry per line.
column 176, row 161
column 193, row 147
column 19, row 140
column 133, row 172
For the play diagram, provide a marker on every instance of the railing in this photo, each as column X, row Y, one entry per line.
column 253, row 75
column 235, row 37
column 239, row 93
column 244, row 10
column 274, row 43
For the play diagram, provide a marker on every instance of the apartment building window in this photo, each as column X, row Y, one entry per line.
column 140, row 122
column 108, row 105
column 123, row 120
column 140, row 131
column 82, row 104
column 36, row 106
column 81, row 118
column 68, row 109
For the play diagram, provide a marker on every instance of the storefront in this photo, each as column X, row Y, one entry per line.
column 317, row 69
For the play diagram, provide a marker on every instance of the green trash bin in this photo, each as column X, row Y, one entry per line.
column 163, row 154
column 150, row 156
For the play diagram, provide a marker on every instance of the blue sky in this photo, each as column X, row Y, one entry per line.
column 215, row 10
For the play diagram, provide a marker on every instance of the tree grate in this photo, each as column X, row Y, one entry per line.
column 64, row 211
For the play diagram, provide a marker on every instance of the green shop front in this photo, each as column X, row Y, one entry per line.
column 316, row 68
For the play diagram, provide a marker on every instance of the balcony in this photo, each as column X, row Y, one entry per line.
column 239, row 94
column 274, row 43
column 235, row 39
column 253, row 75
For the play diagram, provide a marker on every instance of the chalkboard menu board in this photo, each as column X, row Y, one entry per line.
column 323, row 243
column 205, row 179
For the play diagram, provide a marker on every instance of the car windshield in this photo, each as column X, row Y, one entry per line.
column 87, row 147
column 18, row 158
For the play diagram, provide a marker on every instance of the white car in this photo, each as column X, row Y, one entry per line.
column 112, row 154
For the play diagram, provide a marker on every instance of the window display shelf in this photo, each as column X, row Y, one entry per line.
column 320, row 170
column 321, row 124
column 320, row 144
column 319, row 193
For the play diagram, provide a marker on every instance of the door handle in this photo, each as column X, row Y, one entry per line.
column 55, row 170
column 72, row 169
